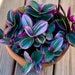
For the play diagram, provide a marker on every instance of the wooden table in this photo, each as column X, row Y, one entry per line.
column 66, row 66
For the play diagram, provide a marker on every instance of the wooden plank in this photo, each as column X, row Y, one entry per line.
column 72, row 64
column 62, row 67
column 47, row 71
column 18, row 70
column 6, row 6
column 6, row 63
column 66, row 65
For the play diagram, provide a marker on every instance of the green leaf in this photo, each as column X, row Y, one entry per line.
column 10, row 16
column 48, row 7
column 32, row 12
column 17, row 18
column 16, row 48
column 41, row 39
column 58, row 53
column 57, row 44
column 26, row 43
column 49, row 36
column 51, row 28
column 61, row 24
column 36, row 57
column 71, row 38
column 46, row 17
column 36, row 43
column 1, row 33
column 49, row 56
column 16, row 24
column 35, row 6
column 27, row 67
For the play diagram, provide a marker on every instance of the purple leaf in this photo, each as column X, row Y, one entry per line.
column 70, row 16
column 27, row 57
column 73, row 27
column 72, row 19
column 41, row 7
column 59, row 34
column 69, row 12
column 38, row 68
column 8, row 23
column 29, row 31
column 26, row 20
column 4, row 41
column 21, row 34
column 40, row 27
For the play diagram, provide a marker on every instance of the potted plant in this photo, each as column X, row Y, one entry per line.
column 38, row 35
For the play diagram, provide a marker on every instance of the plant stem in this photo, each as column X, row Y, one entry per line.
column 24, row 2
column 59, row 1
column 62, row 10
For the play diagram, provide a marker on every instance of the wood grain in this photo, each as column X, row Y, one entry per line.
column 6, row 63
column 65, row 66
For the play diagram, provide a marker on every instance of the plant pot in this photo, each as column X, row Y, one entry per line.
column 40, row 32
column 21, row 60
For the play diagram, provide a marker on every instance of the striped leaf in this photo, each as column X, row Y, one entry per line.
column 36, row 57
column 35, row 6
column 71, row 38
column 1, row 33
column 27, row 67
column 26, row 20
column 10, row 16
column 49, row 56
column 27, row 57
column 48, row 8
column 29, row 31
column 26, row 43
column 40, row 27
column 56, row 44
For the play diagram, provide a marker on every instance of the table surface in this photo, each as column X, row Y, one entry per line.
column 65, row 66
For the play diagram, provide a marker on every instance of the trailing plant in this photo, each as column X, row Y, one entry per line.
column 39, row 32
